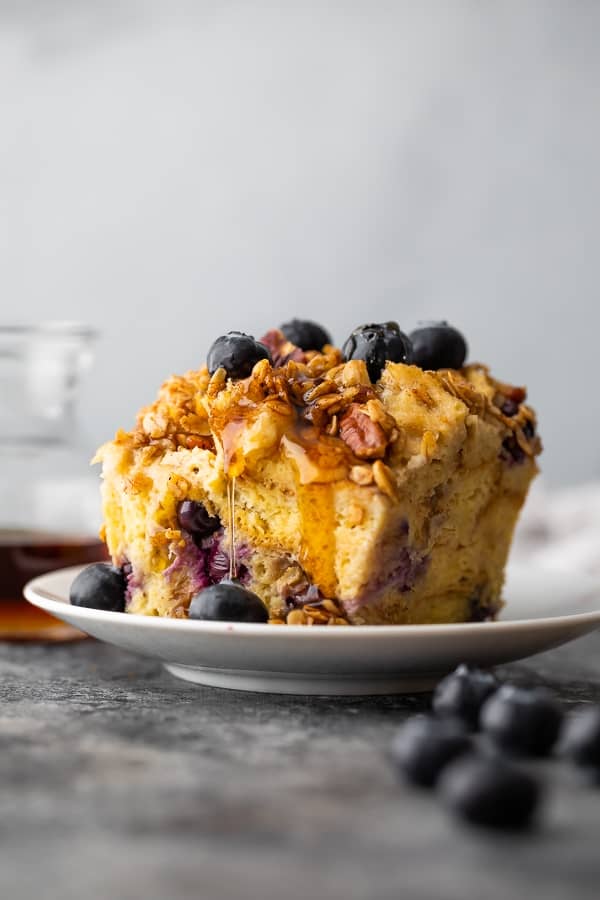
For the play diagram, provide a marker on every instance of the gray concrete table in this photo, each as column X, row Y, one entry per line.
column 118, row 781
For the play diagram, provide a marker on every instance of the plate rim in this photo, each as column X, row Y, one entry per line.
column 38, row 595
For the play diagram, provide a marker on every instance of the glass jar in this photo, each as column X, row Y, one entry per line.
column 49, row 498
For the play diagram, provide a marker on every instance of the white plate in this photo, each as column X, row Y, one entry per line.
column 544, row 609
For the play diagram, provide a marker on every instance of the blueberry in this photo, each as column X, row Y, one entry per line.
column 424, row 745
column 194, row 518
column 511, row 451
column 100, row 586
column 529, row 430
column 509, row 408
column 305, row 334
column 228, row 601
column 376, row 344
column 581, row 738
column 462, row 694
column 489, row 791
column 237, row 353
column 437, row 345
column 524, row 721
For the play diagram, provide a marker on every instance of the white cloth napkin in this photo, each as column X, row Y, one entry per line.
column 560, row 529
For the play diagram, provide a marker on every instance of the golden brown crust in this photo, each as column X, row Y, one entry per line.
column 319, row 392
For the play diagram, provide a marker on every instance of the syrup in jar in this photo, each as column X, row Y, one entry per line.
column 49, row 497
column 25, row 555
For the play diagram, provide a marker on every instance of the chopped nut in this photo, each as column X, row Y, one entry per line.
column 330, row 606
column 329, row 402
column 384, row 479
column 517, row 394
column 377, row 413
column 296, row 617
column 149, row 454
column 155, row 424
column 282, row 350
column 354, row 373
column 217, row 383
column 261, row 370
column 190, row 441
column 319, row 617
column 351, row 393
column 366, row 438
column 320, row 390
column 459, row 387
column 332, row 374
column 361, row 475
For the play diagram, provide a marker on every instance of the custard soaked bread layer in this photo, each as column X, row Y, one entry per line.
column 365, row 490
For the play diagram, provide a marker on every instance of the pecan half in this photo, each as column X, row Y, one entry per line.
column 366, row 438
column 281, row 349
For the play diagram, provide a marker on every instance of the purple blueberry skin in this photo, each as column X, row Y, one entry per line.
column 462, row 694
column 305, row 334
column 489, row 791
column 581, row 737
column 423, row 746
column 207, row 562
column 437, row 345
column 522, row 721
column 228, row 601
column 194, row 518
column 377, row 344
column 99, row 586
column 511, row 452
column 509, row 408
column 237, row 353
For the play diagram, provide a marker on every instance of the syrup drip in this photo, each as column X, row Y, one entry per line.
column 317, row 524
column 231, row 527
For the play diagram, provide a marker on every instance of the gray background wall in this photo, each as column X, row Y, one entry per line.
column 172, row 170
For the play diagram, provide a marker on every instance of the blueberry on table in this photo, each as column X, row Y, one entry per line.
column 305, row 334
column 376, row 345
column 424, row 745
column 523, row 721
column 228, row 601
column 100, row 586
column 437, row 345
column 489, row 791
column 462, row 694
column 237, row 353
column 581, row 737
column 194, row 518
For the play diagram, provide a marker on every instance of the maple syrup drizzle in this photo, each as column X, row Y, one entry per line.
column 319, row 462
column 317, row 524
column 231, row 526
